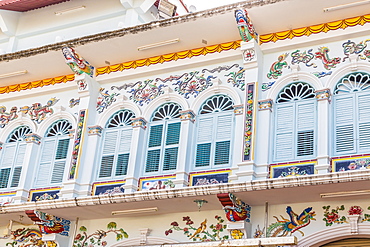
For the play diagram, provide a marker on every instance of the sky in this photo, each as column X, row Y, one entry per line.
column 207, row 4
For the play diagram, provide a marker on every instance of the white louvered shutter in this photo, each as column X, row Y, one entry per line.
column 60, row 161
column 154, row 148
column 223, row 136
column 306, row 112
column 44, row 169
column 18, row 164
column 171, row 146
column 284, row 132
column 344, row 112
column 204, row 142
column 363, row 103
column 123, row 152
column 109, row 149
column 7, row 163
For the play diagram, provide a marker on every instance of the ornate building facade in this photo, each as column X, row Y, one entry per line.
column 128, row 123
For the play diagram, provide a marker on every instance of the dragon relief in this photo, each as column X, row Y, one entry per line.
column 276, row 68
column 328, row 63
column 235, row 209
column 38, row 112
column 6, row 117
column 283, row 227
column 77, row 64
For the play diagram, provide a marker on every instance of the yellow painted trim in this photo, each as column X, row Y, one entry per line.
column 105, row 183
column 35, row 84
column 154, row 178
column 8, row 194
column 307, row 31
column 205, row 173
column 345, row 159
column 168, row 57
column 293, row 164
column 42, row 190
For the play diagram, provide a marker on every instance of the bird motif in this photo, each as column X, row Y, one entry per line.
column 200, row 229
column 235, row 209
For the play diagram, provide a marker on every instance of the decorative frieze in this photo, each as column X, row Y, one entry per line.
column 44, row 194
column 94, row 130
column 139, row 122
column 157, row 183
column 108, row 188
column 323, row 94
column 292, row 170
column 33, row 138
column 187, row 115
column 265, row 104
column 238, row 109
column 38, row 112
column 6, row 117
column 212, row 177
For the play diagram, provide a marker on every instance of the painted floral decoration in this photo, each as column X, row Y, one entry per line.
column 355, row 210
column 203, row 232
column 331, row 217
column 95, row 239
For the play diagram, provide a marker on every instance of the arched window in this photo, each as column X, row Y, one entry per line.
column 164, row 137
column 215, row 127
column 351, row 102
column 295, row 123
column 116, row 145
column 54, row 150
column 13, row 155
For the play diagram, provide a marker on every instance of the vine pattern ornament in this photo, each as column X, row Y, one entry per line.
column 6, row 117
column 350, row 47
column 328, row 62
column 77, row 144
column 285, row 227
column 193, row 84
column 73, row 102
column 203, row 232
column 77, row 64
column 236, row 78
column 37, row 112
column 322, row 74
column 105, row 99
column 267, row 85
column 245, row 26
column 332, row 216
column 276, row 68
column 303, row 57
column 96, row 238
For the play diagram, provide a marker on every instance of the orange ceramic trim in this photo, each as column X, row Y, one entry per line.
column 298, row 32
column 168, row 57
column 34, row 84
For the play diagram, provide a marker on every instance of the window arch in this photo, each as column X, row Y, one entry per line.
column 164, row 138
column 116, row 145
column 53, row 155
column 351, row 103
column 214, row 132
column 295, row 123
column 13, row 153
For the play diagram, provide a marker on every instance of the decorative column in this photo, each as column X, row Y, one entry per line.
column 182, row 172
column 136, row 155
column 29, row 163
column 84, row 146
column 323, row 101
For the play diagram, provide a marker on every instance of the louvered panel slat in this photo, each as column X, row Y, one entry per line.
column 122, row 163
column 344, row 138
column 173, row 133
column 58, row 171
column 224, row 127
column 344, row 110
column 20, row 154
column 43, row 175
column 284, row 146
column 62, row 149
column 110, row 142
column 152, row 160
column 364, row 136
column 203, row 155
column 170, row 159
column 106, row 166
column 306, row 116
column 155, row 136
column 205, row 130
column 364, row 108
column 8, row 155
column 284, row 121
column 48, row 150
column 16, row 176
column 125, row 140
column 305, row 143
column 222, row 153
column 4, row 177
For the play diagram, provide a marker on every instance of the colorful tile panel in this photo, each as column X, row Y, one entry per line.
column 207, row 178
column 108, row 188
column 352, row 163
column 292, row 170
column 157, row 183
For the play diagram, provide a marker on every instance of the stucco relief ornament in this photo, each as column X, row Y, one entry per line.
column 6, row 117
column 248, row 55
column 38, row 112
column 193, row 84
column 77, row 64
column 73, row 102
column 332, row 216
column 303, row 57
column 245, row 26
column 350, row 47
column 49, row 223
column 236, row 78
column 81, row 84
column 105, row 99
column 276, row 68
column 24, row 237
column 235, row 209
column 328, row 63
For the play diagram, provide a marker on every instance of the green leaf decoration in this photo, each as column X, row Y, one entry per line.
column 112, row 225
column 119, row 236
column 83, row 229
